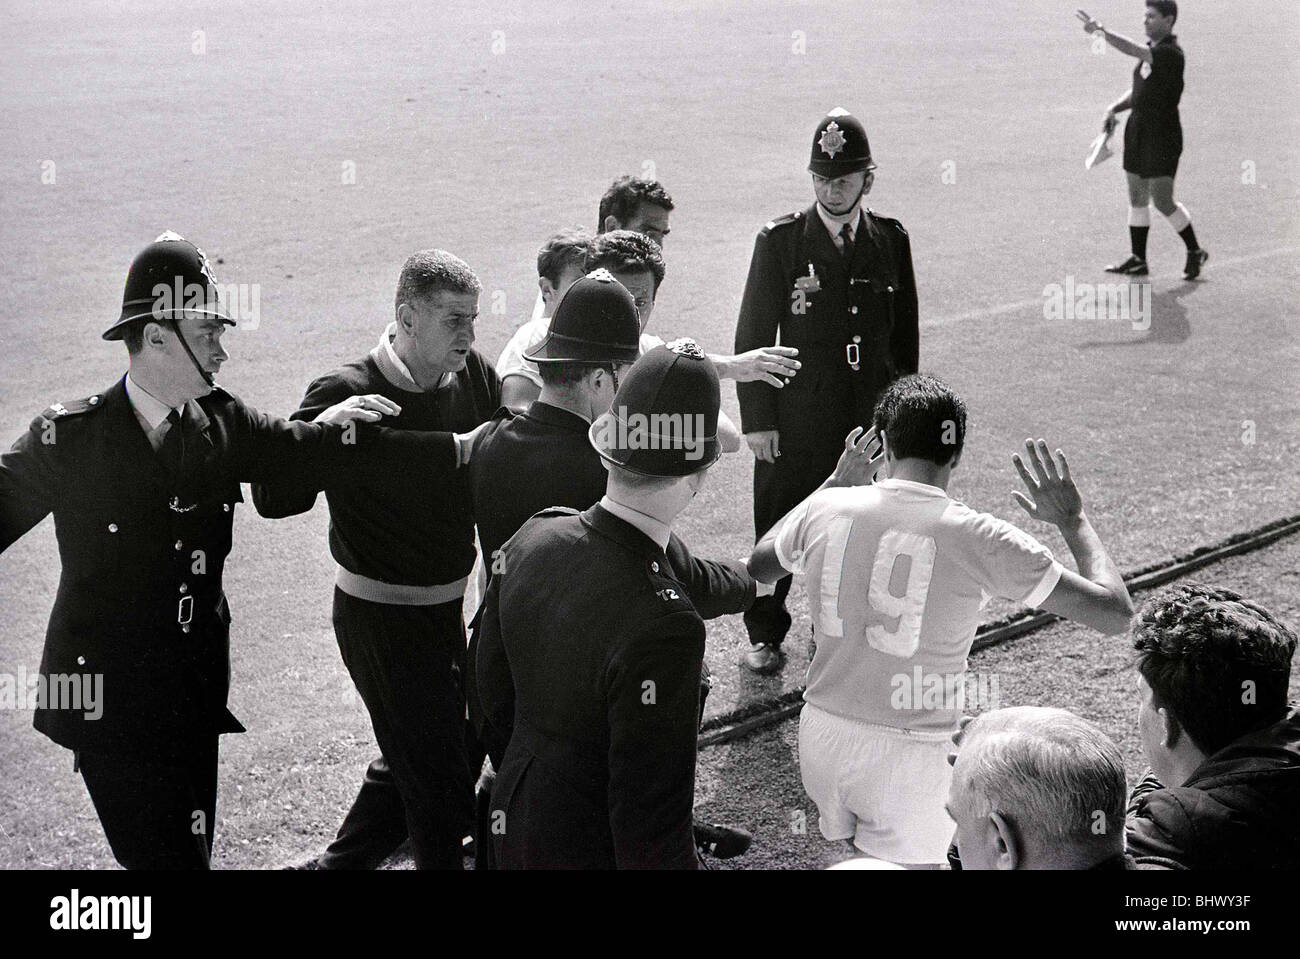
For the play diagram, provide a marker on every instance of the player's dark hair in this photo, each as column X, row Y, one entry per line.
column 922, row 419
column 626, row 194
column 1219, row 663
column 1166, row 8
column 562, row 251
column 622, row 251
column 431, row 271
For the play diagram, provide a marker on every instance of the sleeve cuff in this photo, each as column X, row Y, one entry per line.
column 1045, row 586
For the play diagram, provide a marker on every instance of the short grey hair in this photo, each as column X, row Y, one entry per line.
column 431, row 271
column 1058, row 777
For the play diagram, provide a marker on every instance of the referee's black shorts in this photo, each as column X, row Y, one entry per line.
column 1152, row 146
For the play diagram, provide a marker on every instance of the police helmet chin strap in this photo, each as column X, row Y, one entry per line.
column 176, row 327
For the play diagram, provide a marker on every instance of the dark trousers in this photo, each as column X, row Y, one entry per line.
column 778, row 488
column 407, row 663
column 157, row 813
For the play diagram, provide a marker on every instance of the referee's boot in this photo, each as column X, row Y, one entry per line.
column 1195, row 260
column 721, row 842
column 1133, row 266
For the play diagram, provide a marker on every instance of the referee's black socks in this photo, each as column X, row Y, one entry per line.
column 1139, row 225
column 1181, row 221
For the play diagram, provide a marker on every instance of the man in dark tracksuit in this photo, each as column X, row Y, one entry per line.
column 404, row 552
column 142, row 480
column 589, row 649
column 527, row 461
column 834, row 281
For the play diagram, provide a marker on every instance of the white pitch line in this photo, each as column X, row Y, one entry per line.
column 991, row 311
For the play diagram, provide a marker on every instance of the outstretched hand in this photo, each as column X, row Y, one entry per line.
column 1055, row 499
column 367, row 409
column 1090, row 24
column 863, row 455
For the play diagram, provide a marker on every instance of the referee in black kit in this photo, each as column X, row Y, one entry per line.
column 1153, row 136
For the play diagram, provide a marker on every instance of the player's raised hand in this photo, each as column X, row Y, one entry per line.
column 1090, row 25
column 773, row 365
column 367, row 409
column 862, row 457
column 1055, row 498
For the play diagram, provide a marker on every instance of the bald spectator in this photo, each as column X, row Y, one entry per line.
column 1038, row 788
column 1222, row 740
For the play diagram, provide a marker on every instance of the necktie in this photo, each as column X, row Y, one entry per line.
column 846, row 235
column 172, row 449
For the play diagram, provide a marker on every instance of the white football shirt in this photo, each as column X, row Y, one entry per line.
column 896, row 574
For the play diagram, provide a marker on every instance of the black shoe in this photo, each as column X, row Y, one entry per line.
column 1133, row 266
column 764, row 659
column 721, row 842
column 1195, row 260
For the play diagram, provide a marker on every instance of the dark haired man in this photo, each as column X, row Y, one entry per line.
column 637, row 262
column 142, row 480
column 835, row 282
column 897, row 573
column 637, row 204
column 1222, row 740
column 1153, row 136
column 404, row 554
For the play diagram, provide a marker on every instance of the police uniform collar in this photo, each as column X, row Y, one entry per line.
column 621, row 531
column 656, row 530
column 550, row 415
column 834, row 222
column 147, row 406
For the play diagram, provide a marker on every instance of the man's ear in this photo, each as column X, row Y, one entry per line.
column 1008, row 852
column 406, row 317
column 955, row 461
column 152, row 335
column 546, row 286
column 611, row 224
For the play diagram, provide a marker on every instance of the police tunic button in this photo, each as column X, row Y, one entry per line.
column 225, row 507
column 179, row 544
column 112, row 527
column 857, row 339
column 185, row 587
column 93, row 401
column 855, row 367
column 853, row 310
column 81, row 660
column 654, row 567
column 185, row 628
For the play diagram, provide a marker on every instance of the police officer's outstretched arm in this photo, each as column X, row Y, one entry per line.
column 715, row 588
column 653, row 699
column 278, row 499
column 29, row 481
column 761, row 309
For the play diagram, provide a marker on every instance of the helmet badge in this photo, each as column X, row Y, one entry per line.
column 832, row 140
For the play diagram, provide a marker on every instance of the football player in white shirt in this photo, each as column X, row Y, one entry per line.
column 637, row 262
column 896, row 574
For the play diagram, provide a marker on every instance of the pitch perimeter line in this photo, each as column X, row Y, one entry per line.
column 990, row 312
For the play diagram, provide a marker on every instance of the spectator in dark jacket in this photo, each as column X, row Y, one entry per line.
column 1223, row 743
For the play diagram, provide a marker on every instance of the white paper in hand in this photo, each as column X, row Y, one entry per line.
column 1099, row 151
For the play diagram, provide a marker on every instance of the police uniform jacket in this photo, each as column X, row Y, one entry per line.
column 588, row 661
column 140, row 597
column 854, row 324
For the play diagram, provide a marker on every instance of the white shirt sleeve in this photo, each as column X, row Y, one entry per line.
column 791, row 542
column 511, row 362
column 1012, row 564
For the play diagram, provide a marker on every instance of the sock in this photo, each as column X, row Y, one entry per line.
column 1139, row 225
column 1181, row 221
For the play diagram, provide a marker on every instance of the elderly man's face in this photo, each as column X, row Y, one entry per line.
column 443, row 329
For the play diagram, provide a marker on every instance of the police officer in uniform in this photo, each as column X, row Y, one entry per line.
column 142, row 480
column 590, row 647
column 834, row 281
column 527, row 461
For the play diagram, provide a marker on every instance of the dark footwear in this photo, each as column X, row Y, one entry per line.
column 311, row 865
column 764, row 659
column 1195, row 260
column 721, row 842
column 1133, row 266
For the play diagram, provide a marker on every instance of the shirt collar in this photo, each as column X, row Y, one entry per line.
column 926, row 488
column 834, row 222
column 391, row 365
column 151, row 410
column 557, row 416
column 655, row 530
